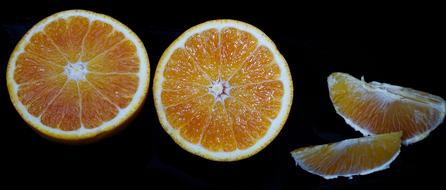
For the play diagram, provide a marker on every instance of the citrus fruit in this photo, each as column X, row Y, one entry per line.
column 350, row 157
column 222, row 90
column 77, row 76
column 376, row 108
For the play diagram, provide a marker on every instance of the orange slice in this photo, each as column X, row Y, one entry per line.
column 77, row 76
column 222, row 90
column 350, row 157
column 376, row 108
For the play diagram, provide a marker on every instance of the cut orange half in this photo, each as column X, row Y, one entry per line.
column 77, row 76
column 376, row 108
column 350, row 157
column 222, row 90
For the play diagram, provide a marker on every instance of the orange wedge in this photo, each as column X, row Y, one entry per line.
column 350, row 157
column 77, row 76
column 377, row 108
column 222, row 90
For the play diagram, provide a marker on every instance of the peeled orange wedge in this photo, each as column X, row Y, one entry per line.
column 350, row 157
column 77, row 76
column 222, row 90
column 377, row 108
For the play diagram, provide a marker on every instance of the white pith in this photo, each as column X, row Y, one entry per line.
column 220, row 89
column 75, row 71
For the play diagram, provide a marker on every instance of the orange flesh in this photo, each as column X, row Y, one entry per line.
column 65, row 103
column 383, row 112
column 235, row 115
column 349, row 157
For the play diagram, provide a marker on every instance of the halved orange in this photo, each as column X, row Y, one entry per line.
column 78, row 75
column 350, row 157
column 222, row 90
column 376, row 108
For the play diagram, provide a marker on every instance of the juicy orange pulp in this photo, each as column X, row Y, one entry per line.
column 222, row 89
column 76, row 72
column 383, row 108
column 350, row 157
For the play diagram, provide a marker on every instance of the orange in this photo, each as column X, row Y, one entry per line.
column 350, row 157
column 376, row 108
column 222, row 90
column 77, row 76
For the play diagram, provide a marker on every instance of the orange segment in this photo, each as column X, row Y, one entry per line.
column 119, row 88
column 194, row 129
column 258, row 68
column 263, row 97
column 64, row 111
column 236, row 47
column 205, row 49
column 68, row 35
column 30, row 68
column 122, row 58
column 181, row 67
column 100, row 38
column 219, row 94
column 36, row 95
column 219, row 136
column 350, row 157
column 41, row 46
column 78, row 76
column 182, row 113
column 175, row 92
column 376, row 108
column 248, row 125
column 96, row 108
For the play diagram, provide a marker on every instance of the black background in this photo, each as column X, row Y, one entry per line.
column 402, row 50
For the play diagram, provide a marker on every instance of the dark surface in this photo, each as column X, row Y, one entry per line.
column 403, row 53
